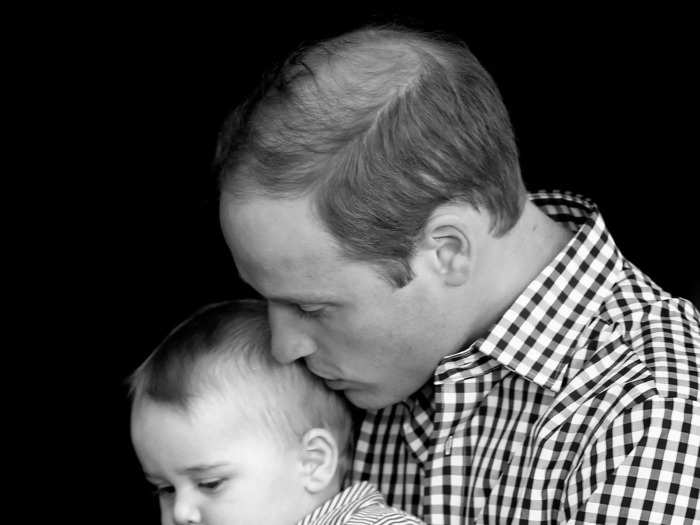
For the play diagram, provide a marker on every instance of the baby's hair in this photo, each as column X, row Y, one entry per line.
column 224, row 349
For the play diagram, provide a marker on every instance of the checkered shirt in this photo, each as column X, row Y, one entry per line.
column 579, row 406
column 359, row 504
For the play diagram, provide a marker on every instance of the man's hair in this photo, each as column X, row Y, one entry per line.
column 224, row 349
column 379, row 126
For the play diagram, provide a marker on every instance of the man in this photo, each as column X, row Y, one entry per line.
column 513, row 366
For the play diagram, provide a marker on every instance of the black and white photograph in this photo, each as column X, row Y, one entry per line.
column 346, row 265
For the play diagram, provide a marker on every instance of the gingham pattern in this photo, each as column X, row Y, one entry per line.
column 580, row 405
column 359, row 504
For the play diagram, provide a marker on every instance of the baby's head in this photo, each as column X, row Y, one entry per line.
column 229, row 436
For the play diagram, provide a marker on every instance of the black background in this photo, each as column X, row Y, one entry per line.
column 602, row 104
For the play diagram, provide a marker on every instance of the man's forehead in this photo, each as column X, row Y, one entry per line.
column 282, row 227
column 278, row 240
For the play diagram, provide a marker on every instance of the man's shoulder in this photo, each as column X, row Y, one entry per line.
column 661, row 330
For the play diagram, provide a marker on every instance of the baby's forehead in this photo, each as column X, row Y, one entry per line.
column 224, row 413
column 243, row 390
column 253, row 398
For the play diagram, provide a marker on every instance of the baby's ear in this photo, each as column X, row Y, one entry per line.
column 319, row 459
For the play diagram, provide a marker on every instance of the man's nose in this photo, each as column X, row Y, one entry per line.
column 185, row 510
column 289, row 340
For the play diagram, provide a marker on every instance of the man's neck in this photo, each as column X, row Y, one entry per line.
column 511, row 262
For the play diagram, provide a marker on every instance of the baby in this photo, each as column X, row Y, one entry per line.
column 229, row 436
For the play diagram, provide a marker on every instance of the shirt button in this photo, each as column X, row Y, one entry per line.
column 448, row 445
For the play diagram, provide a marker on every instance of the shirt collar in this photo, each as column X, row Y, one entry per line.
column 536, row 336
column 355, row 496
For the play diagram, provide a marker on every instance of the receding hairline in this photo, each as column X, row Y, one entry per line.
column 253, row 194
column 364, row 70
column 356, row 75
column 341, row 117
column 373, row 61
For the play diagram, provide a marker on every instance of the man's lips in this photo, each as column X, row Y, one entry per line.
column 316, row 372
column 332, row 383
column 335, row 384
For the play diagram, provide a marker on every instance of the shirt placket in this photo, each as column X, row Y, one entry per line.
column 448, row 471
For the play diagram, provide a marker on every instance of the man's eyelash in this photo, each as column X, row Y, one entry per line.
column 309, row 313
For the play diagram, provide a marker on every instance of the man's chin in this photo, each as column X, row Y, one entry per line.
column 367, row 400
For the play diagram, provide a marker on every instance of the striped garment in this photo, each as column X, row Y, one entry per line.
column 359, row 504
column 579, row 406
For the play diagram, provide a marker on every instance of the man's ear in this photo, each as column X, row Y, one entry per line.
column 447, row 248
column 319, row 459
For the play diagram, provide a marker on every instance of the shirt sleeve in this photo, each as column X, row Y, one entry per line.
column 645, row 468
column 383, row 515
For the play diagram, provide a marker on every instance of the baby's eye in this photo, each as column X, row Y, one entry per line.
column 163, row 490
column 211, row 485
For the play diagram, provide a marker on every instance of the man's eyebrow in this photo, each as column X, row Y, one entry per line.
column 300, row 299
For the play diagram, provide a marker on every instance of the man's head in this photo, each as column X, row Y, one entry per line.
column 366, row 136
column 229, row 435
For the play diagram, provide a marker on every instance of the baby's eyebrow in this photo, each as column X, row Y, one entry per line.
column 152, row 478
column 198, row 469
